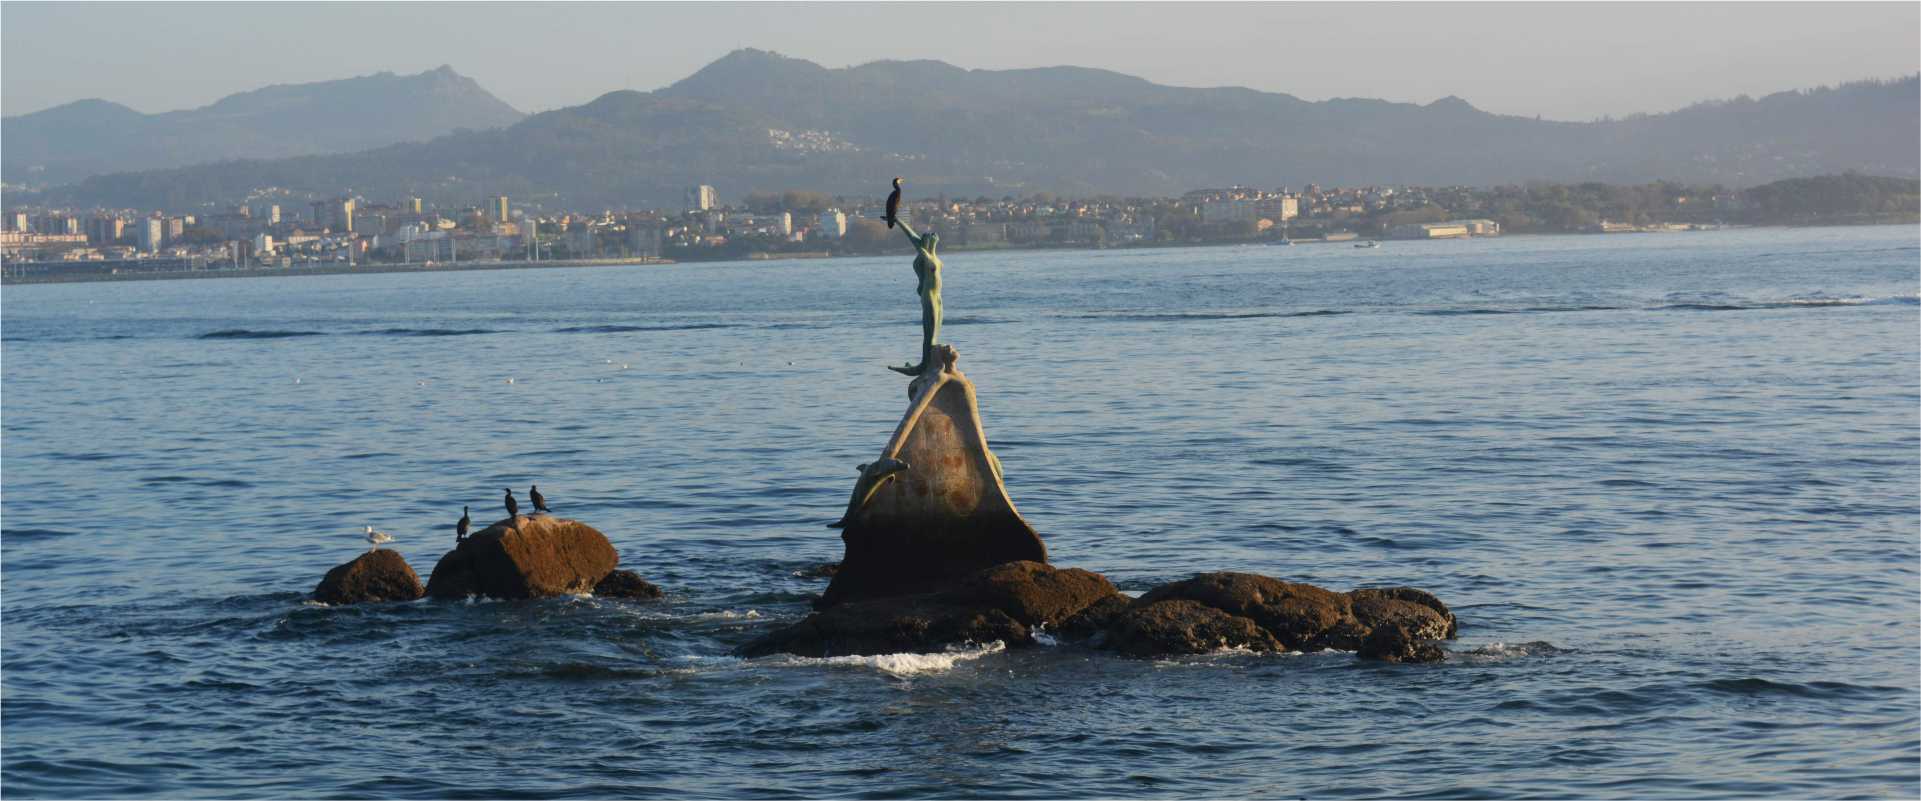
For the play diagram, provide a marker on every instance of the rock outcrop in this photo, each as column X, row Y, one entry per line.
column 626, row 584
column 1007, row 602
column 1302, row 617
column 932, row 507
column 1259, row 613
column 525, row 557
column 1376, row 607
column 377, row 575
column 1177, row 626
column 1012, row 602
column 1031, row 592
column 1414, row 609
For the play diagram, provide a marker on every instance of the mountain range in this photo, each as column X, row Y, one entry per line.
column 89, row 137
column 757, row 121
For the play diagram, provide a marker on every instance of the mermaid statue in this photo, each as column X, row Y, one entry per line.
column 927, row 269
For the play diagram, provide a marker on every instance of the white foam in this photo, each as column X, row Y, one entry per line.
column 904, row 665
column 727, row 614
column 1223, row 656
column 1500, row 651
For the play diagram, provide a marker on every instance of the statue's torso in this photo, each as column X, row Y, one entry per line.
column 928, row 268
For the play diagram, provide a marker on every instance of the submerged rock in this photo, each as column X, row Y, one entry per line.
column 1006, row 602
column 1399, row 642
column 626, row 584
column 377, row 575
column 525, row 557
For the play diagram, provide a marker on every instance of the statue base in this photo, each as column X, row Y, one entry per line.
column 933, row 507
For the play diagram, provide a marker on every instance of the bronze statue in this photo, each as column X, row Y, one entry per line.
column 927, row 269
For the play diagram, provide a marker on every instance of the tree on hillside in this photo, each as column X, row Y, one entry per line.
column 1831, row 195
column 1425, row 214
column 762, row 202
column 864, row 236
column 805, row 202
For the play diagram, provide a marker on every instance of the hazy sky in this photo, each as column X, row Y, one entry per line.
column 1558, row 60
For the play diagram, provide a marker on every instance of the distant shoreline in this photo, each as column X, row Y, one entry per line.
column 359, row 269
column 465, row 266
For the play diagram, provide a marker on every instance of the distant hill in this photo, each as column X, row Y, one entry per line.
column 759, row 121
column 89, row 137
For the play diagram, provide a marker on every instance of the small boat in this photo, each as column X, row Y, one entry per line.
column 1368, row 244
column 1281, row 242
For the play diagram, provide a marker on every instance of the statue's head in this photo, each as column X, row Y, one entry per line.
column 896, row 182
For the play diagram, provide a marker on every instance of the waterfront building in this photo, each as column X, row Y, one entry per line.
column 337, row 214
column 1082, row 232
column 1444, row 230
column 1224, row 211
column 1279, row 208
column 1028, row 231
column 414, row 205
column 500, row 209
column 988, row 233
column 580, row 242
column 643, row 238
column 786, row 224
column 152, row 234
column 702, row 198
column 833, row 224
column 31, row 246
column 105, row 230
column 437, row 247
column 17, row 221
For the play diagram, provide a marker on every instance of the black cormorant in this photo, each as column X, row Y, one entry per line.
column 893, row 204
column 513, row 506
column 460, row 528
column 540, row 503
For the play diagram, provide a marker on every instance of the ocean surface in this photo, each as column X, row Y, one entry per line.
column 1671, row 484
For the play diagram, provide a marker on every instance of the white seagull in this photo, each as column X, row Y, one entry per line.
column 375, row 539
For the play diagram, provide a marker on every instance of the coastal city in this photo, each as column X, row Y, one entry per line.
column 270, row 232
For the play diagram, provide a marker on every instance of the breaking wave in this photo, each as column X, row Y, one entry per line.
column 908, row 664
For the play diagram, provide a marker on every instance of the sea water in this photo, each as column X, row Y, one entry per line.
column 1669, row 483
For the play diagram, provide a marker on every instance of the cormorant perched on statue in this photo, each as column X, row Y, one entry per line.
column 893, row 204
column 460, row 528
column 540, row 502
column 513, row 506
